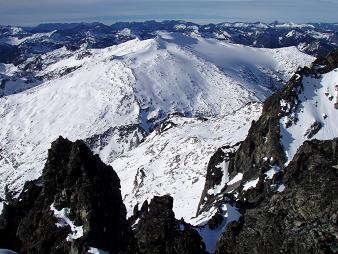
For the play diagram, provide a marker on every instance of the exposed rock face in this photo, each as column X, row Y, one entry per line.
column 314, row 128
column 14, row 212
column 159, row 233
column 264, row 135
column 215, row 174
column 79, row 182
column 301, row 219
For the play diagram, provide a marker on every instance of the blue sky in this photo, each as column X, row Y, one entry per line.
column 32, row 12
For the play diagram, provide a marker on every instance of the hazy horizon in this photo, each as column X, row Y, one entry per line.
column 215, row 11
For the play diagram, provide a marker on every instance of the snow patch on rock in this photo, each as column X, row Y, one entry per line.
column 317, row 115
column 211, row 236
column 250, row 184
column 63, row 221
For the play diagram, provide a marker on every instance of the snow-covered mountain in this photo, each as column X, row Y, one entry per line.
column 26, row 47
column 175, row 108
column 17, row 44
column 116, row 99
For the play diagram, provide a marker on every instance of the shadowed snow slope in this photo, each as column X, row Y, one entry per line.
column 114, row 96
column 317, row 115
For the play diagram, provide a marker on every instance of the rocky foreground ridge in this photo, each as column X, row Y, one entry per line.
column 76, row 207
column 301, row 219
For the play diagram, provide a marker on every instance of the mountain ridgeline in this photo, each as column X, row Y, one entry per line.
column 19, row 43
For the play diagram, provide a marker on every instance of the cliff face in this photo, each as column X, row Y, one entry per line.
column 215, row 174
column 301, row 219
column 75, row 205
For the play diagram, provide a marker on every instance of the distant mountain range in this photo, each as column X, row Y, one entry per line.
column 19, row 43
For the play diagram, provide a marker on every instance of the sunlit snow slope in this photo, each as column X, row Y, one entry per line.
column 113, row 98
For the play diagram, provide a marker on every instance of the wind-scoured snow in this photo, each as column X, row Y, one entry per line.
column 12, row 40
column 107, row 96
column 8, row 69
column 317, row 108
column 77, row 106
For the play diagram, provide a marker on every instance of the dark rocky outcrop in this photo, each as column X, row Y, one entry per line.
column 301, row 219
column 263, row 138
column 159, row 233
column 138, row 213
column 76, row 179
column 134, row 133
column 313, row 130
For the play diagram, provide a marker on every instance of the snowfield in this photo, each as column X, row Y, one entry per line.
column 115, row 97
column 175, row 161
